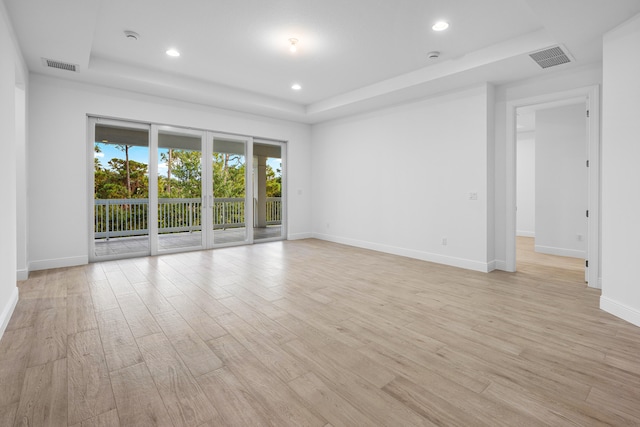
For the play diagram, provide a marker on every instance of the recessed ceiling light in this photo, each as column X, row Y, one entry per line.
column 293, row 45
column 440, row 26
column 173, row 52
column 296, row 86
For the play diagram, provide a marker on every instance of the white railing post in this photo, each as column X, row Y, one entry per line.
column 107, row 222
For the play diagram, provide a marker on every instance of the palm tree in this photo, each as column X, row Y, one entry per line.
column 125, row 148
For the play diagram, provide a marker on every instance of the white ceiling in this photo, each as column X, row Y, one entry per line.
column 353, row 55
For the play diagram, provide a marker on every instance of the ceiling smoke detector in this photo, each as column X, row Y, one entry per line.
column 131, row 35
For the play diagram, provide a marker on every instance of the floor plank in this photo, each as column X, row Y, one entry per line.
column 138, row 317
column 50, row 337
column 106, row 419
column 328, row 403
column 232, row 400
column 43, row 401
column 14, row 355
column 120, row 348
column 8, row 414
column 80, row 313
column 89, row 387
column 195, row 354
column 204, row 325
column 278, row 399
column 185, row 401
column 137, row 398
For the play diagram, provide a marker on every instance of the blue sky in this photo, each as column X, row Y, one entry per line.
column 141, row 154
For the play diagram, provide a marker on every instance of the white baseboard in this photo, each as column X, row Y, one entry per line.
column 7, row 311
column 46, row 264
column 523, row 233
column 299, row 236
column 560, row 251
column 501, row 265
column 410, row 253
column 22, row 274
column 622, row 311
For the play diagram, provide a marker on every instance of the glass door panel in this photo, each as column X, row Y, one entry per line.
column 229, row 184
column 180, row 210
column 121, row 189
column 267, row 191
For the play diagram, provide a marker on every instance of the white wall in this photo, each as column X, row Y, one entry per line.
column 398, row 180
column 547, row 84
column 58, row 219
column 526, row 185
column 11, row 74
column 561, row 181
column 620, row 172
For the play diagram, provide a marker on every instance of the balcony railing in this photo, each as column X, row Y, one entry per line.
column 130, row 217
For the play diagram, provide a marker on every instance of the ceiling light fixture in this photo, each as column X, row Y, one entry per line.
column 293, row 45
column 440, row 26
column 131, row 35
column 296, row 86
column 173, row 52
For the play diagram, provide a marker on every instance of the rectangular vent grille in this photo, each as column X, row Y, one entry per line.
column 550, row 57
column 52, row 63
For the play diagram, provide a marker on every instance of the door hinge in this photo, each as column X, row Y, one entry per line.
column 587, row 163
column 587, row 113
column 587, row 213
column 586, row 263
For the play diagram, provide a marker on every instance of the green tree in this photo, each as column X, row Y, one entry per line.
column 184, row 174
column 274, row 182
column 228, row 175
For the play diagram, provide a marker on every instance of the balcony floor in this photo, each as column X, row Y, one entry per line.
column 140, row 244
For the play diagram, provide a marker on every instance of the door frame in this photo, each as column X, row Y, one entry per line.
column 592, row 97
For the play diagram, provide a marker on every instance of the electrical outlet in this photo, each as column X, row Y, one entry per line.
column 473, row 196
column 444, row 241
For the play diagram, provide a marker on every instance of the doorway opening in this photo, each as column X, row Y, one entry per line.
column 552, row 188
column 583, row 238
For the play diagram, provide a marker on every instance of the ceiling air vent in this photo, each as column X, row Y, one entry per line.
column 52, row 63
column 550, row 57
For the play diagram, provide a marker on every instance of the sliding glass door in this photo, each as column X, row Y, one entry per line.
column 120, row 191
column 230, row 196
column 161, row 189
column 268, row 190
column 180, row 189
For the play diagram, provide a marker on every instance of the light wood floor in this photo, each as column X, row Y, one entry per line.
column 528, row 261
column 313, row 333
